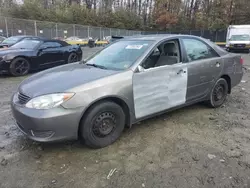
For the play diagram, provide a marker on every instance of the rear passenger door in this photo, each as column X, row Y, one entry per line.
column 203, row 64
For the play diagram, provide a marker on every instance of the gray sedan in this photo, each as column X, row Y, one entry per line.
column 128, row 81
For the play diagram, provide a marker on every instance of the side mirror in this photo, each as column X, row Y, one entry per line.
column 140, row 68
column 43, row 48
column 156, row 53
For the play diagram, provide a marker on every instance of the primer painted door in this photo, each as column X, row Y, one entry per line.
column 159, row 89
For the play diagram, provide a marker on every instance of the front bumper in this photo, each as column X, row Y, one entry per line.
column 4, row 67
column 47, row 125
column 238, row 47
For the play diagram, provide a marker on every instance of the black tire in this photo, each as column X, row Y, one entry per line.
column 19, row 67
column 219, row 93
column 73, row 57
column 102, row 125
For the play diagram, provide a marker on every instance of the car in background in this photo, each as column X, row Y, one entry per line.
column 238, row 38
column 113, row 38
column 74, row 38
column 2, row 38
column 128, row 81
column 36, row 54
column 8, row 42
column 58, row 38
column 77, row 41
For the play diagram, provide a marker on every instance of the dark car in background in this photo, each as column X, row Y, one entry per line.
column 8, row 42
column 36, row 54
column 115, row 38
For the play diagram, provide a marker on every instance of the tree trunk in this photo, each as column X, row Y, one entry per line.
column 139, row 10
column 95, row 4
column 45, row 4
column 88, row 4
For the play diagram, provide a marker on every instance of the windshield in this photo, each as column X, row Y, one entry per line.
column 240, row 38
column 120, row 55
column 26, row 44
column 11, row 40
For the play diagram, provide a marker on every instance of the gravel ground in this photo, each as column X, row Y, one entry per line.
column 191, row 147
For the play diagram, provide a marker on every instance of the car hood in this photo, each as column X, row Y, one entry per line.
column 61, row 79
column 5, row 51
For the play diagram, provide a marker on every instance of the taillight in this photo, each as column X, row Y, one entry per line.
column 241, row 61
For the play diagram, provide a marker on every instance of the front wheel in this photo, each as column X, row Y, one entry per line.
column 19, row 67
column 102, row 124
column 219, row 93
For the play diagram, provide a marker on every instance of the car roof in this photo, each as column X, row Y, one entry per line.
column 24, row 36
column 50, row 40
column 155, row 37
column 160, row 37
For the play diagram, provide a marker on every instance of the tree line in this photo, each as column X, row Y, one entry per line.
column 146, row 15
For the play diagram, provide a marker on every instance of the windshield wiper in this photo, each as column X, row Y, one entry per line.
column 97, row 66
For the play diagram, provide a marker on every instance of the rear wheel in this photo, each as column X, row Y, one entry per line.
column 219, row 93
column 19, row 67
column 73, row 57
column 102, row 124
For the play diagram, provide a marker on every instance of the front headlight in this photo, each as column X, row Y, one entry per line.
column 3, row 57
column 49, row 101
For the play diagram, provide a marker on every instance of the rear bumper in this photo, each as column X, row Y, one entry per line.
column 237, row 77
column 47, row 125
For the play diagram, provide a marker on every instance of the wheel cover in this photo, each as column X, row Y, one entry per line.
column 104, row 124
column 21, row 67
column 219, row 93
column 73, row 58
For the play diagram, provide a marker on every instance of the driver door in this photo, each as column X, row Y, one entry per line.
column 160, row 88
column 50, row 54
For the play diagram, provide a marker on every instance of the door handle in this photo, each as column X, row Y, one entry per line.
column 181, row 71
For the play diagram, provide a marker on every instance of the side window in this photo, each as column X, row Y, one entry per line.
column 167, row 53
column 51, row 45
column 197, row 50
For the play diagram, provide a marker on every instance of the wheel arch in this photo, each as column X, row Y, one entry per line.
column 22, row 56
column 118, row 100
column 228, row 79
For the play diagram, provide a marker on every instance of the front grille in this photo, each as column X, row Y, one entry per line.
column 23, row 99
column 240, row 45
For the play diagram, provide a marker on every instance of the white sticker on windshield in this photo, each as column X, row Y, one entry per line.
column 134, row 47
